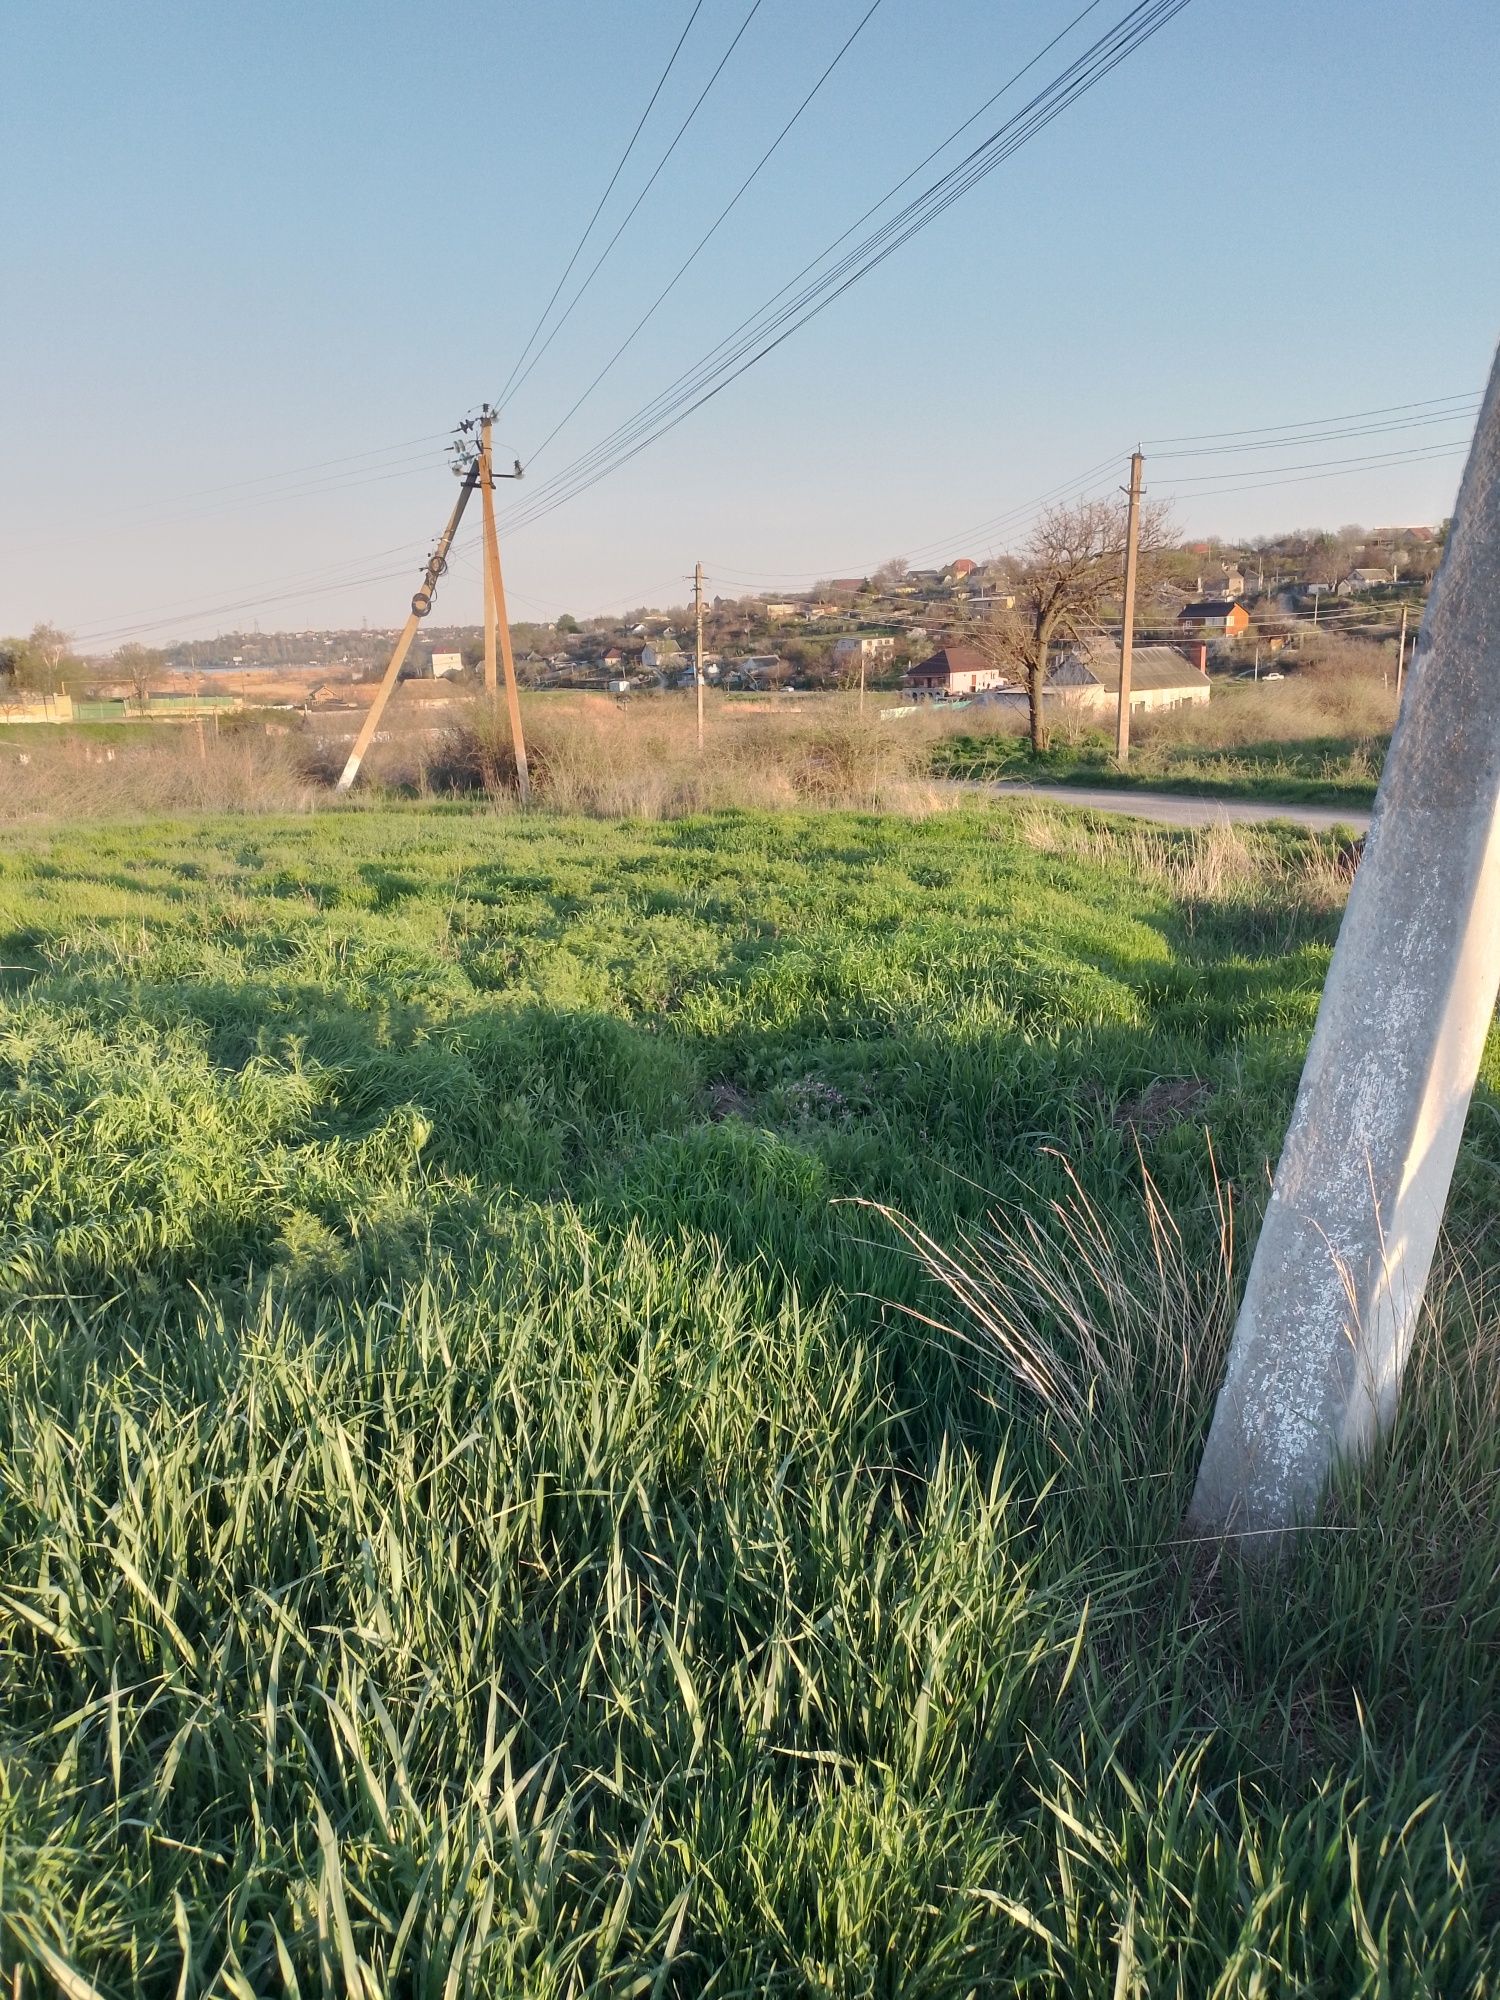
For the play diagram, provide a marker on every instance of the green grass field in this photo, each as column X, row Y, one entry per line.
column 1313, row 770
column 485, row 1510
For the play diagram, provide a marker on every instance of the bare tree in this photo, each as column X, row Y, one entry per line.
column 890, row 574
column 139, row 665
column 1069, row 568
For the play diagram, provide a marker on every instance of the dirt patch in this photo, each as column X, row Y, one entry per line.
column 727, row 1100
column 1160, row 1106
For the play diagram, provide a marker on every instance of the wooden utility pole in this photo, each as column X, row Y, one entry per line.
column 486, row 468
column 421, row 604
column 496, row 605
column 476, row 465
column 698, row 655
column 1400, row 658
column 1127, row 609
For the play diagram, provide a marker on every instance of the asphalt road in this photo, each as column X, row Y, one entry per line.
column 1180, row 809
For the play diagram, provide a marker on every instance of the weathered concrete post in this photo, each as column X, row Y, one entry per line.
column 1344, row 1253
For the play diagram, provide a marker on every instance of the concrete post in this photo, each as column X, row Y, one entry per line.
column 1344, row 1253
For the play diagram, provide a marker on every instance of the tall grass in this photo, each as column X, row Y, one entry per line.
column 485, row 1508
column 47, row 775
column 639, row 759
column 587, row 754
column 1319, row 735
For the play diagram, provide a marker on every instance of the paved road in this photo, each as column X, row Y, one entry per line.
column 1180, row 809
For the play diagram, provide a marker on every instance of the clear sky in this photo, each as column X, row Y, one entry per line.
column 241, row 240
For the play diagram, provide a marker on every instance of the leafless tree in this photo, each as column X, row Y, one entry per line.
column 1069, row 568
column 890, row 574
column 139, row 665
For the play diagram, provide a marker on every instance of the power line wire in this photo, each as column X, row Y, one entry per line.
column 1289, row 442
column 712, row 230
column 517, row 381
column 609, row 190
column 1331, row 464
column 698, row 387
column 1348, row 416
column 1086, row 69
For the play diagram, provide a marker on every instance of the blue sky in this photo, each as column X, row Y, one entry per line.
column 242, row 240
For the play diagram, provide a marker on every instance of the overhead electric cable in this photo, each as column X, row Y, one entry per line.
column 113, row 635
column 1079, row 483
column 1309, row 423
column 1086, row 69
column 588, row 226
column 674, row 405
column 712, row 229
column 906, row 179
column 517, row 380
column 1409, row 456
column 1290, row 441
column 1337, row 471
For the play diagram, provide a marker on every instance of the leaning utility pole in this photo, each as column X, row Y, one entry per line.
column 475, row 468
column 698, row 655
column 496, row 618
column 1339, row 1272
column 1127, row 609
column 1400, row 659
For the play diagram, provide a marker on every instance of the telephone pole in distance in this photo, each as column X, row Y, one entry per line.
column 1127, row 609
column 698, row 655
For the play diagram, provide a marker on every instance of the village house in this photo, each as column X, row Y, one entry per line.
column 1087, row 676
column 661, row 655
column 753, row 670
column 1365, row 579
column 1218, row 616
column 863, row 649
column 781, row 610
column 957, row 571
column 953, row 670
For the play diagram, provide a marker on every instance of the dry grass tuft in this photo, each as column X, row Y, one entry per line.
column 640, row 760
column 72, row 779
column 1211, row 864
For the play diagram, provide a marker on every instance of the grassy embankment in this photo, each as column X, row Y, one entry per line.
column 478, row 1514
column 1318, row 739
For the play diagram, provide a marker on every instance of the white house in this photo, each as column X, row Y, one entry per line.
column 1365, row 579
column 863, row 649
column 1087, row 677
column 954, row 670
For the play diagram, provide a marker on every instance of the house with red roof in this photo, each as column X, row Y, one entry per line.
column 954, row 670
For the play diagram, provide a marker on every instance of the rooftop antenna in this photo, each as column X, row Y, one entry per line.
column 472, row 461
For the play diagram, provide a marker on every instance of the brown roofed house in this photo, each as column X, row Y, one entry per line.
column 1219, row 615
column 955, row 670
